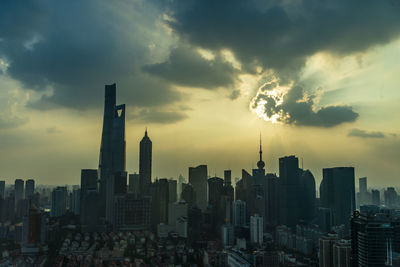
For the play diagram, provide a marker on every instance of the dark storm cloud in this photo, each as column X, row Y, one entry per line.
column 187, row 67
column 75, row 48
column 298, row 109
column 365, row 134
column 281, row 35
column 146, row 115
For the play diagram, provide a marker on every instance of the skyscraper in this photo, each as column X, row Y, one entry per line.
column 145, row 158
column 18, row 190
column 198, row 179
column 58, row 201
column 29, row 188
column 338, row 193
column 2, row 189
column 289, row 184
column 374, row 239
column 239, row 213
column 256, row 229
column 112, row 149
column 134, row 183
column 376, row 197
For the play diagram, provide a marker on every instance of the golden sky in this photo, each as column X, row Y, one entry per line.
column 194, row 88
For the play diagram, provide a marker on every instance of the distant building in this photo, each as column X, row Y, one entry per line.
column 376, row 197
column 145, row 158
column 2, row 189
column 172, row 187
column 18, row 190
column 227, row 235
column 326, row 244
column 112, row 150
column 374, row 238
column 289, row 193
column 338, row 193
column 239, row 213
column 120, row 179
column 58, row 201
column 198, row 179
column 134, row 184
column 89, row 197
column 188, row 194
column 256, row 229
column 159, row 192
column 29, row 188
column 76, row 201
column 391, row 198
column 132, row 212
column 342, row 253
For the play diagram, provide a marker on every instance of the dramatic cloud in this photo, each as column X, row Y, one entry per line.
column 366, row 134
column 187, row 67
column 146, row 115
column 296, row 107
column 279, row 36
column 73, row 49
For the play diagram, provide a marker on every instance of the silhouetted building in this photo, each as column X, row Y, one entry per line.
column 159, row 191
column 145, row 158
column 326, row 244
column 132, row 212
column 272, row 197
column 374, row 239
column 256, row 229
column 58, row 201
column 215, row 187
column 188, row 194
column 391, row 198
column 120, row 186
column 307, row 195
column 172, row 187
column 338, row 193
column 376, row 197
column 112, row 150
column 75, row 206
column 198, row 179
column 2, row 189
column 134, row 184
column 29, row 188
column 227, row 235
column 342, row 253
column 18, row 190
column 290, row 203
column 324, row 219
column 239, row 213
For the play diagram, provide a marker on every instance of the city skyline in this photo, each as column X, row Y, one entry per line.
column 199, row 89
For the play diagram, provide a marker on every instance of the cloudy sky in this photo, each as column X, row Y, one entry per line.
column 318, row 79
